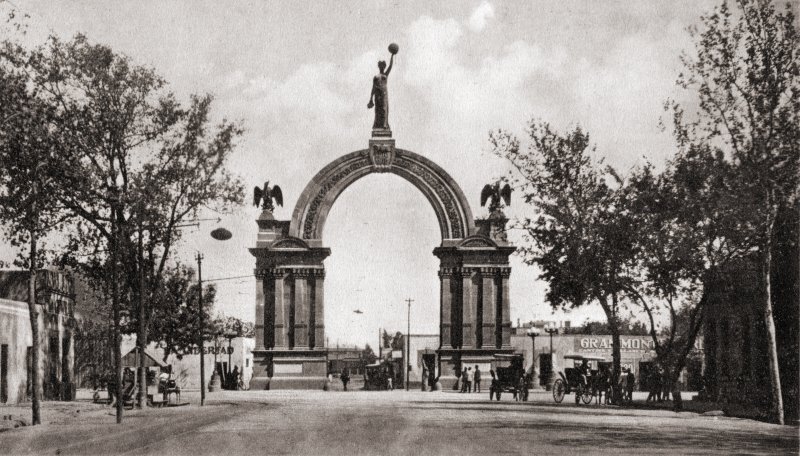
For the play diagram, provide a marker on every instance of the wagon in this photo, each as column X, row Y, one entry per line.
column 511, row 377
column 577, row 379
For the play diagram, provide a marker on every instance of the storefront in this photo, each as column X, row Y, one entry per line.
column 223, row 356
column 55, row 299
column 637, row 354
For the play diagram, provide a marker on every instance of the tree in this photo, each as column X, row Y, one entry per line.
column 691, row 223
column 581, row 237
column 135, row 163
column 368, row 355
column 745, row 75
column 395, row 342
column 27, row 174
column 627, row 327
column 176, row 320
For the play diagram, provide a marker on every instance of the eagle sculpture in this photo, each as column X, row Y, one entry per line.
column 265, row 195
column 495, row 194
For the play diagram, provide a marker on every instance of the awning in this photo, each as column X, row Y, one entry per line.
column 131, row 359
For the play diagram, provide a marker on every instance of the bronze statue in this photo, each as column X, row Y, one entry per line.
column 266, row 195
column 379, row 97
column 494, row 193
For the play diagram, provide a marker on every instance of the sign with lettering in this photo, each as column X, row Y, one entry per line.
column 604, row 344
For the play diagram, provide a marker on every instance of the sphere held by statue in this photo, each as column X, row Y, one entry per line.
column 393, row 48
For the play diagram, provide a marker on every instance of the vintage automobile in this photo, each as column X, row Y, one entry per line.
column 580, row 378
column 511, row 377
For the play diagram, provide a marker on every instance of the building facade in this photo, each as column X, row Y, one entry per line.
column 55, row 302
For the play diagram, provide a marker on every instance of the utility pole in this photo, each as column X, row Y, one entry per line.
column 408, row 343
column 202, row 355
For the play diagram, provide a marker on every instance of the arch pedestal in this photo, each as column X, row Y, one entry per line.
column 475, row 324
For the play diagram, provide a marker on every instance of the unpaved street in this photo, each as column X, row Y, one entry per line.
column 414, row 423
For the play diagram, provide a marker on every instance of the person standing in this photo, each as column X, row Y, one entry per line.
column 470, row 379
column 345, row 378
column 631, row 384
column 477, row 379
column 494, row 388
column 464, row 381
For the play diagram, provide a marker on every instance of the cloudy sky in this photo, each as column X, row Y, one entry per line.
column 298, row 75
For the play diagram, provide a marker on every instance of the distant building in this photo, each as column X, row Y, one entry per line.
column 55, row 299
column 222, row 356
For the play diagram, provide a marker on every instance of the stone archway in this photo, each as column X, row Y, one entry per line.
column 474, row 271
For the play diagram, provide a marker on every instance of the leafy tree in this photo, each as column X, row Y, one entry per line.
column 395, row 342
column 135, row 163
column 580, row 236
column 368, row 355
column 176, row 322
column 745, row 75
column 627, row 327
column 28, row 171
column 691, row 224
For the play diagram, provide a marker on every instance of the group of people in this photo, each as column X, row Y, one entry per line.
column 658, row 386
column 601, row 383
column 471, row 380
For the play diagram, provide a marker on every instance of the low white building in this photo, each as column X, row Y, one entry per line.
column 224, row 355
column 55, row 305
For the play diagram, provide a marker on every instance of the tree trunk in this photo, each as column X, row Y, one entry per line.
column 616, row 355
column 769, row 323
column 675, row 373
column 141, row 335
column 36, row 385
column 115, row 307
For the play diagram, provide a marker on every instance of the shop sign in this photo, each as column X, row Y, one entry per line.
column 196, row 350
column 604, row 343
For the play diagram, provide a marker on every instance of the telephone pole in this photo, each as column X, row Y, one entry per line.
column 200, row 342
column 408, row 343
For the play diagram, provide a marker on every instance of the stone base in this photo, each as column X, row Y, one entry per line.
column 452, row 359
column 288, row 369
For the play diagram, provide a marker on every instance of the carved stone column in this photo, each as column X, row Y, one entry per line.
column 489, row 302
column 468, row 311
column 446, row 309
column 261, row 323
column 289, row 292
column 277, row 278
column 301, row 308
column 504, row 319
column 319, row 308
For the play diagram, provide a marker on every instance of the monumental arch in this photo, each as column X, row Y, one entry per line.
column 290, row 300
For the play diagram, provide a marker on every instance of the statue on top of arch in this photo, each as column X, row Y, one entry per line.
column 496, row 195
column 494, row 226
column 379, row 96
column 264, row 197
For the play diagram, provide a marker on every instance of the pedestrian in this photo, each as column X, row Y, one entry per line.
column 494, row 387
column 653, row 385
column 631, row 385
column 235, row 378
column 623, row 385
column 470, row 379
column 464, row 380
column 345, row 377
column 477, row 380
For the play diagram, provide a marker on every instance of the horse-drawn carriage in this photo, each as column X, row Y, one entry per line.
column 584, row 377
column 510, row 377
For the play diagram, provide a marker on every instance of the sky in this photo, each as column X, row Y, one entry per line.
column 298, row 76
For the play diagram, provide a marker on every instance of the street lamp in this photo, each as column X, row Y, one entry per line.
column 532, row 332
column 220, row 234
column 551, row 328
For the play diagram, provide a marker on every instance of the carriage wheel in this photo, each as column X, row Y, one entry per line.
column 559, row 389
column 586, row 397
